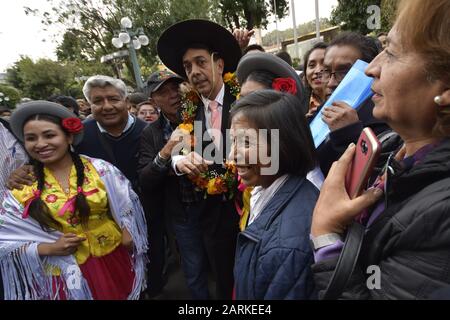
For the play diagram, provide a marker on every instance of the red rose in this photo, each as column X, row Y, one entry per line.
column 285, row 85
column 72, row 125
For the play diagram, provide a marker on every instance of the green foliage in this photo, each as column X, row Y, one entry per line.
column 270, row 39
column 12, row 95
column 91, row 24
column 388, row 13
column 352, row 14
column 250, row 13
column 40, row 79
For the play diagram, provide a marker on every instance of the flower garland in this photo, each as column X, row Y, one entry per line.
column 211, row 182
column 231, row 80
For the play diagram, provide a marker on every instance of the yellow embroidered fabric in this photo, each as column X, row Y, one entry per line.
column 246, row 195
column 102, row 234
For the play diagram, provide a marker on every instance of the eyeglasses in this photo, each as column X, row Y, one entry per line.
column 339, row 75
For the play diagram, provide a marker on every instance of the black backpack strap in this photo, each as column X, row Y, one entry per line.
column 5, row 123
column 346, row 262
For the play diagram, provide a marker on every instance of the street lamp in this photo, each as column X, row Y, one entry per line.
column 4, row 99
column 134, row 41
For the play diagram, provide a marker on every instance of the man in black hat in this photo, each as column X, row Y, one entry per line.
column 203, row 51
column 159, row 185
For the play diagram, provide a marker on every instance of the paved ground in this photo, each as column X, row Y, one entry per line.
column 176, row 288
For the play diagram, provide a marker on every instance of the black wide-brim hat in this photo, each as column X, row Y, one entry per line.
column 268, row 62
column 28, row 109
column 176, row 39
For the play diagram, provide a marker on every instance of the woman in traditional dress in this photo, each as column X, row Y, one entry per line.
column 79, row 231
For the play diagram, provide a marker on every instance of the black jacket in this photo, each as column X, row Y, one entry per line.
column 160, row 187
column 120, row 151
column 410, row 240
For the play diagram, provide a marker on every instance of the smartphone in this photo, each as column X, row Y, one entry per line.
column 368, row 150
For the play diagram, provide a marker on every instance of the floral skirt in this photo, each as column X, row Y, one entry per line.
column 109, row 277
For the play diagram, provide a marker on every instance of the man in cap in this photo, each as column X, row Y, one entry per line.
column 203, row 51
column 159, row 185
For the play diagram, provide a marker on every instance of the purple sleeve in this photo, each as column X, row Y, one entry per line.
column 328, row 252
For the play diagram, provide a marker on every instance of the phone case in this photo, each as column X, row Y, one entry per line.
column 368, row 150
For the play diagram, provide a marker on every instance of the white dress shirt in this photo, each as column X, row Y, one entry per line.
column 130, row 122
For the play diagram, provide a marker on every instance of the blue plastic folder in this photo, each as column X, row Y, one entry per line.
column 353, row 90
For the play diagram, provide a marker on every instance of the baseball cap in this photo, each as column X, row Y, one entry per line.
column 158, row 78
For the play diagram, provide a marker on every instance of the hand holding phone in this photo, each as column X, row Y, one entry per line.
column 368, row 150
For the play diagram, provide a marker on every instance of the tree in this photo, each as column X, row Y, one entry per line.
column 305, row 28
column 9, row 96
column 40, row 79
column 388, row 13
column 352, row 14
column 250, row 13
column 91, row 24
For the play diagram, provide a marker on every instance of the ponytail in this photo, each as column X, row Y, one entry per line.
column 81, row 204
column 38, row 209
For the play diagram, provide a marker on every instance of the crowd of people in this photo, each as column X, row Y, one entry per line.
column 218, row 154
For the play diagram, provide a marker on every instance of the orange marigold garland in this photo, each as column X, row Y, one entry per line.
column 231, row 80
column 211, row 182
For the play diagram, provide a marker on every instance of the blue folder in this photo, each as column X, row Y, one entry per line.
column 353, row 90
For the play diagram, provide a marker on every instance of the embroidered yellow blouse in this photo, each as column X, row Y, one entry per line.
column 102, row 234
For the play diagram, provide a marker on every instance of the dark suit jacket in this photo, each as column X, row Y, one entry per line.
column 160, row 188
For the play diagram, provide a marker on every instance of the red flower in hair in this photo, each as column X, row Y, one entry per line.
column 285, row 85
column 72, row 125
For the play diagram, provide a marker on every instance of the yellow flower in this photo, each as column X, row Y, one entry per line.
column 212, row 188
column 186, row 126
column 216, row 186
column 228, row 77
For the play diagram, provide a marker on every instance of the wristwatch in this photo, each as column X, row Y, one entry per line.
column 325, row 240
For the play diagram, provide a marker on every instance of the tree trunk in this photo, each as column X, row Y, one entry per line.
column 236, row 21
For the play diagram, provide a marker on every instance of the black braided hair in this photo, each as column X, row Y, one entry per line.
column 81, row 204
column 38, row 209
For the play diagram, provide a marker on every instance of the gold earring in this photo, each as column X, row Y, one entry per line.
column 438, row 100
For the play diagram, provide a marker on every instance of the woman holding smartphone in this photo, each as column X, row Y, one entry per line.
column 407, row 212
column 79, row 231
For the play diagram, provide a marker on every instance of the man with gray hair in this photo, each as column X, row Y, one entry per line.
column 113, row 134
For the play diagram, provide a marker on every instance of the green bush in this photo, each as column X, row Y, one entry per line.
column 9, row 96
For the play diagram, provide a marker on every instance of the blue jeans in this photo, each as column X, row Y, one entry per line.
column 193, row 255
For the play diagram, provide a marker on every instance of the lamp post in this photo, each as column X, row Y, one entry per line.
column 317, row 21
column 276, row 23
column 134, row 41
column 4, row 99
column 295, row 29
